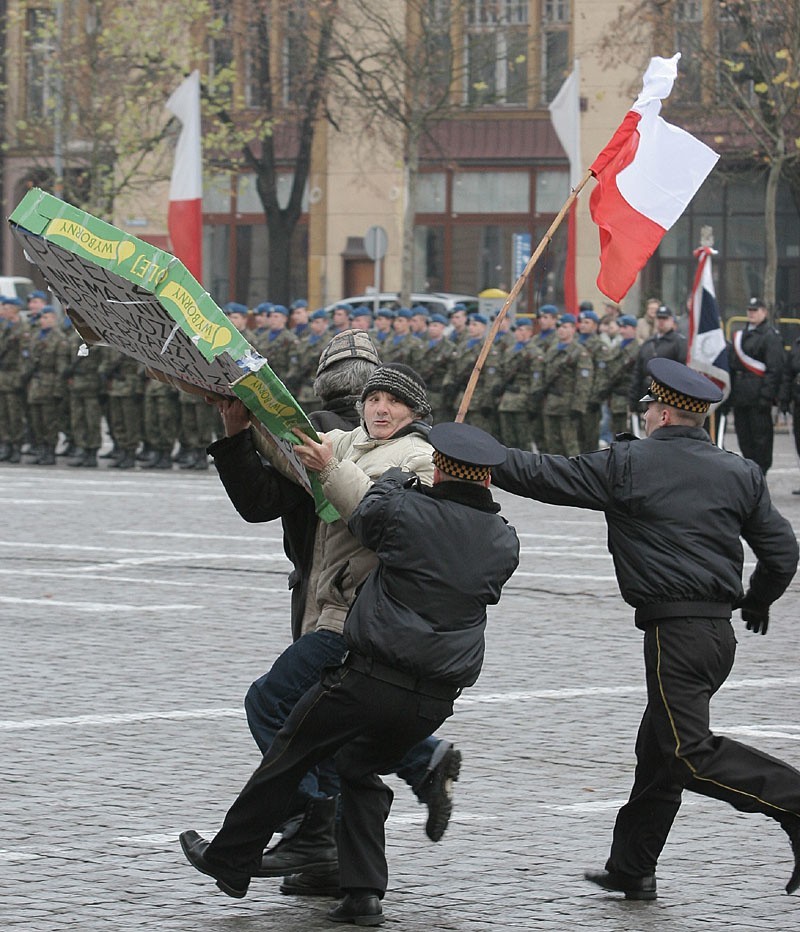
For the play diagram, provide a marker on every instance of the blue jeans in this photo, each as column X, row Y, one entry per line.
column 272, row 697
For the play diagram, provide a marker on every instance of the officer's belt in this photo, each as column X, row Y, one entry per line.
column 660, row 611
column 433, row 688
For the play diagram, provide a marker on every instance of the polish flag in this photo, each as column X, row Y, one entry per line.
column 185, row 214
column 646, row 176
column 565, row 114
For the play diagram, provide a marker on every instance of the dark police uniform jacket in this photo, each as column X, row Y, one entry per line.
column 675, row 505
column 749, row 390
column 444, row 555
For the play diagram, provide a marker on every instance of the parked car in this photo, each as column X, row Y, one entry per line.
column 437, row 302
column 15, row 286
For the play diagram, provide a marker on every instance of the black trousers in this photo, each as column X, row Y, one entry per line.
column 755, row 434
column 368, row 725
column 686, row 662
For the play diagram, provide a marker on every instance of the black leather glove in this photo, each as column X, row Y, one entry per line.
column 754, row 615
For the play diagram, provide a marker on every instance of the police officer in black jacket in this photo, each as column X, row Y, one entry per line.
column 415, row 635
column 756, row 364
column 676, row 506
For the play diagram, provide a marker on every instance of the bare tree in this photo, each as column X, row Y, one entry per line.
column 739, row 85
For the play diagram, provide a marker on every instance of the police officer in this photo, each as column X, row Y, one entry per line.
column 409, row 655
column 756, row 365
column 676, row 505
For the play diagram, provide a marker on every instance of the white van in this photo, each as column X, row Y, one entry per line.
column 437, row 302
column 15, row 286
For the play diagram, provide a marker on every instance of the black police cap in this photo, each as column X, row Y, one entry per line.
column 466, row 443
column 680, row 387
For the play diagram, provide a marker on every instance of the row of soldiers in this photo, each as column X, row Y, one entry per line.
column 543, row 382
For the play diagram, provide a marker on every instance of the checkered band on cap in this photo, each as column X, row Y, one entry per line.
column 668, row 396
column 460, row 470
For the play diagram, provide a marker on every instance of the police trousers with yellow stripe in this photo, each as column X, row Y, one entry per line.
column 686, row 662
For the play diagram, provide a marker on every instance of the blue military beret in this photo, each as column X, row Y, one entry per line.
column 405, row 312
column 264, row 308
column 458, row 306
column 361, row 311
column 524, row 321
column 419, row 311
column 385, row 312
column 298, row 302
column 479, row 318
column 321, row 312
column 549, row 309
column 589, row 315
column 38, row 294
column 15, row 301
column 279, row 309
column 627, row 321
column 233, row 307
column 567, row 319
column 438, row 319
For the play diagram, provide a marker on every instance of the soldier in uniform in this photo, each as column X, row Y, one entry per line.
column 383, row 328
column 420, row 317
column 361, row 318
column 401, row 346
column 568, row 375
column 432, row 366
column 589, row 337
column 309, row 348
column 125, row 380
column 85, row 389
column 620, row 369
column 548, row 319
column 458, row 323
column 279, row 346
column 756, row 364
column 298, row 318
column 482, row 410
column 515, row 402
column 46, row 370
column 15, row 335
column 161, row 422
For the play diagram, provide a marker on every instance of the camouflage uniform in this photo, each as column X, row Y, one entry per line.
column 432, row 366
column 124, row 379
column 538, row 351
column 620, row 370
column 14, row 339
column 161, row 422
column 308, row 351
column 589, row 426
column 404, row 348
column 515, row 402
column 46, row 369
column 482, row 411
column 567, row 384
column 85, row 387
column 279, row 347
column 199, row 421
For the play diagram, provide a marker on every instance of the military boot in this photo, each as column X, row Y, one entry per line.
column 89, row 459
column 15, row 455
column 164, row 461
column 149, row 460
column 311, row 848
column 5, row 452
column 189, row 460
column 77, row 457
column 48, row 457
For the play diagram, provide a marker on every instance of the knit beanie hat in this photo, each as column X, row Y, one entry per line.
column 402, row 382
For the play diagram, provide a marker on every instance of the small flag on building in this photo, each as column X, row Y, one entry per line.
column 185, row 213
column 646, row 175
column 708, row 351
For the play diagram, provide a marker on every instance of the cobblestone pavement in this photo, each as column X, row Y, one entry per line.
column 136, row 608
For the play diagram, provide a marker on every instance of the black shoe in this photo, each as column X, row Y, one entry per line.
column 5, row 451
column 310, row 883
column 194, row 847
column 361, row 911
column 437, row 788
column 792, row 829
column 163, row 462
column 634, row 888
column 47, row 458
column 14, row 456
column 795, row 491
column 148, row 460
column 311, row 848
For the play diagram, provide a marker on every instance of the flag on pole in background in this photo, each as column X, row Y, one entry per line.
column 708, row 352
column 185, row 213
column 565, row 113
column 646, row 176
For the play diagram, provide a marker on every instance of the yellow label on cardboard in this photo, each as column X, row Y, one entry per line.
column 214, row 334
column 108, row 249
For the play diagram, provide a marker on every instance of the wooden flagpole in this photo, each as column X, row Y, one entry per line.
column 512, row 295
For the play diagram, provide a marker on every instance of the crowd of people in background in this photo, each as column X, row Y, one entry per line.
column 555, row 382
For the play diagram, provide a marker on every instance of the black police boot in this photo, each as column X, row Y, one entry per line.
column 311, row 848
column 312, row 883
column 634, row 887
column 436, row 790
column 359, row 910
column 76, row 459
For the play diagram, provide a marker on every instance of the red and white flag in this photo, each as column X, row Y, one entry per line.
column 646, row 176
column 565, row 113
column 185, row 215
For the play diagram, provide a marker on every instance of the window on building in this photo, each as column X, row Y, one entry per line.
column 555, row 46
column 40, row 38
column 496, row 51
column 295, row 54
column 491, row 192
column 220, row 45
column 436, row 51
column 256, row 62
column 689, row 39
